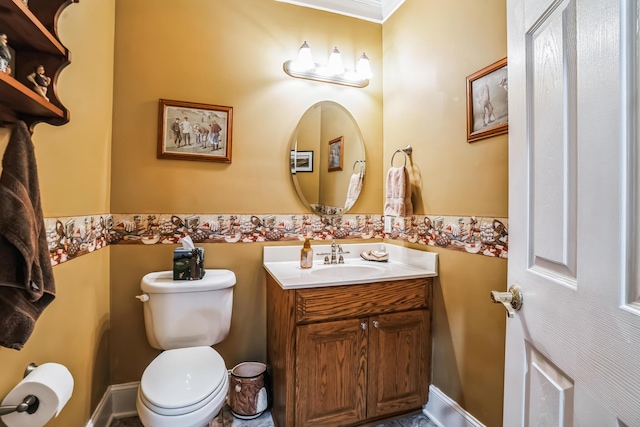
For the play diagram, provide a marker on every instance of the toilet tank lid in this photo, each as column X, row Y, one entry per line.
column 161, row 282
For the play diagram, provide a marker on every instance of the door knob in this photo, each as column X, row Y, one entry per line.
column 512, row 300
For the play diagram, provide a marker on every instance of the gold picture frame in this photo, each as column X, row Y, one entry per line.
column 194, row 131
column 336, row 154
column 487, row 102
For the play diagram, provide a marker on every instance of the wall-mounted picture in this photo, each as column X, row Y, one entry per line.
column 487, row 102
column 336, row 154
column 193, row 131
column 70, row 228
column 192, row 222
column 301, row 161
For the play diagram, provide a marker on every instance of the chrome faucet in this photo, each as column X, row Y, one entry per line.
column 336, row 254
column 334, row 248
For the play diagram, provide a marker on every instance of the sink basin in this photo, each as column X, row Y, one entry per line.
column 282, row 263
column 347, row 272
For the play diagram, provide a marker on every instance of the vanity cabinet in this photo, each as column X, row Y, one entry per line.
column 31, row 33
column 348, row 355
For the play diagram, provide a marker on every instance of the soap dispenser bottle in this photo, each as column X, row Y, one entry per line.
column 306, row 255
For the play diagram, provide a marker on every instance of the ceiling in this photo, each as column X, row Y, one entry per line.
column 368, row 10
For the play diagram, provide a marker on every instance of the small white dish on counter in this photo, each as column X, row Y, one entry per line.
column 283, row 264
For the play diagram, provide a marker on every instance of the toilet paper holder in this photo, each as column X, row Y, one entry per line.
column 29, row 404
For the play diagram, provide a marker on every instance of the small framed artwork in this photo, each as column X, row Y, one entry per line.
column 192, row 131
column 336, row 154
column 301, row 161
column 192, row 222
column 70, row 228
column 487, row 102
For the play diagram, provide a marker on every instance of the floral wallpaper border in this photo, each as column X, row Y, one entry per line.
column 70, row 237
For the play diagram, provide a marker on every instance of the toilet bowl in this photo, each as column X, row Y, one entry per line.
column 184, row 387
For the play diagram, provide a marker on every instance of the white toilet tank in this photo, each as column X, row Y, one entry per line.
column 187, row 313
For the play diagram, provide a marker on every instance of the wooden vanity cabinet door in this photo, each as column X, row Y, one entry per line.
column 399, row 360
column 331, row 373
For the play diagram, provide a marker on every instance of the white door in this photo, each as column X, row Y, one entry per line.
column 573, row 350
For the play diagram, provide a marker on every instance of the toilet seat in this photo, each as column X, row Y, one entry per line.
column 185, row 409
column 183, row 380
column 198, row 418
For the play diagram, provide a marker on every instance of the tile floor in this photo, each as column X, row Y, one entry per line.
column 226, row 419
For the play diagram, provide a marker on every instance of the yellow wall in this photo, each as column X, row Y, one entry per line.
column 74, row 171
column 429, row 47
column 73, row 331
column 230, row 53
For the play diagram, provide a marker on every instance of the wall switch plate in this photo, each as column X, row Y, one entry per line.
column 388, row 224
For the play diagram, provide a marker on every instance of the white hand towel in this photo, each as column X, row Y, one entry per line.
column 398, row 201
column 355, row 186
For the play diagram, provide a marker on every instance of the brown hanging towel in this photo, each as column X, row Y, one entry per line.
column 26, row 277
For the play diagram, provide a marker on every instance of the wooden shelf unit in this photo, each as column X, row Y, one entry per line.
column 32, row 35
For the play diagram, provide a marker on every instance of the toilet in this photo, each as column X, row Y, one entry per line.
column 186, row 385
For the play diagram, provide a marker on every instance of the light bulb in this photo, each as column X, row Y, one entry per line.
column 305, row 59
column 363, row 68
column 335, row 66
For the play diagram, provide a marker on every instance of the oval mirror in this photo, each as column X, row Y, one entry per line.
column 327, row 159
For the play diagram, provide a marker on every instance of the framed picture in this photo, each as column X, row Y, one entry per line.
column 70, row 228
column 192, row 221
column 192, row 131
column 336, row 154
column 301, row 161
column 487, row 102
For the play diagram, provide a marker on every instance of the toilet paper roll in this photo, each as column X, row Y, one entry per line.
column 52, row 384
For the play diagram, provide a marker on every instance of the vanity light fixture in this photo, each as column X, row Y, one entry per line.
column 305, row 68
column 305, row 59
column 335, row 67
column 363, row 68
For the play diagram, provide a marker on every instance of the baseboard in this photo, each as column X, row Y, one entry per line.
column 124, row 399
column 119, row 401
column 101, row 417
column 445, row 412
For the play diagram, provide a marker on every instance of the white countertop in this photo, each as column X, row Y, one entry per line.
column 283, row 263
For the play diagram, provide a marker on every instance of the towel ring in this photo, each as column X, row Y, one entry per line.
column 406, row 151
column 361, row 163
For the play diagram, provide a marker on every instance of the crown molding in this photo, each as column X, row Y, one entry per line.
column 369, row 10
column 389, row 7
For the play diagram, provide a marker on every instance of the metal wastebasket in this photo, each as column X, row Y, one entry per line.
column 248, row 390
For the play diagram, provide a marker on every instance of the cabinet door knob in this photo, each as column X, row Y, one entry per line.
column 363, row 325
column 376, row 323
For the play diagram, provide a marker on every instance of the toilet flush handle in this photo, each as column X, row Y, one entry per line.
column 143, row 297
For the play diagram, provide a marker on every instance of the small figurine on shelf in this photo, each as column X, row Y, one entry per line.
column 5, row 54
column 40, row 81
